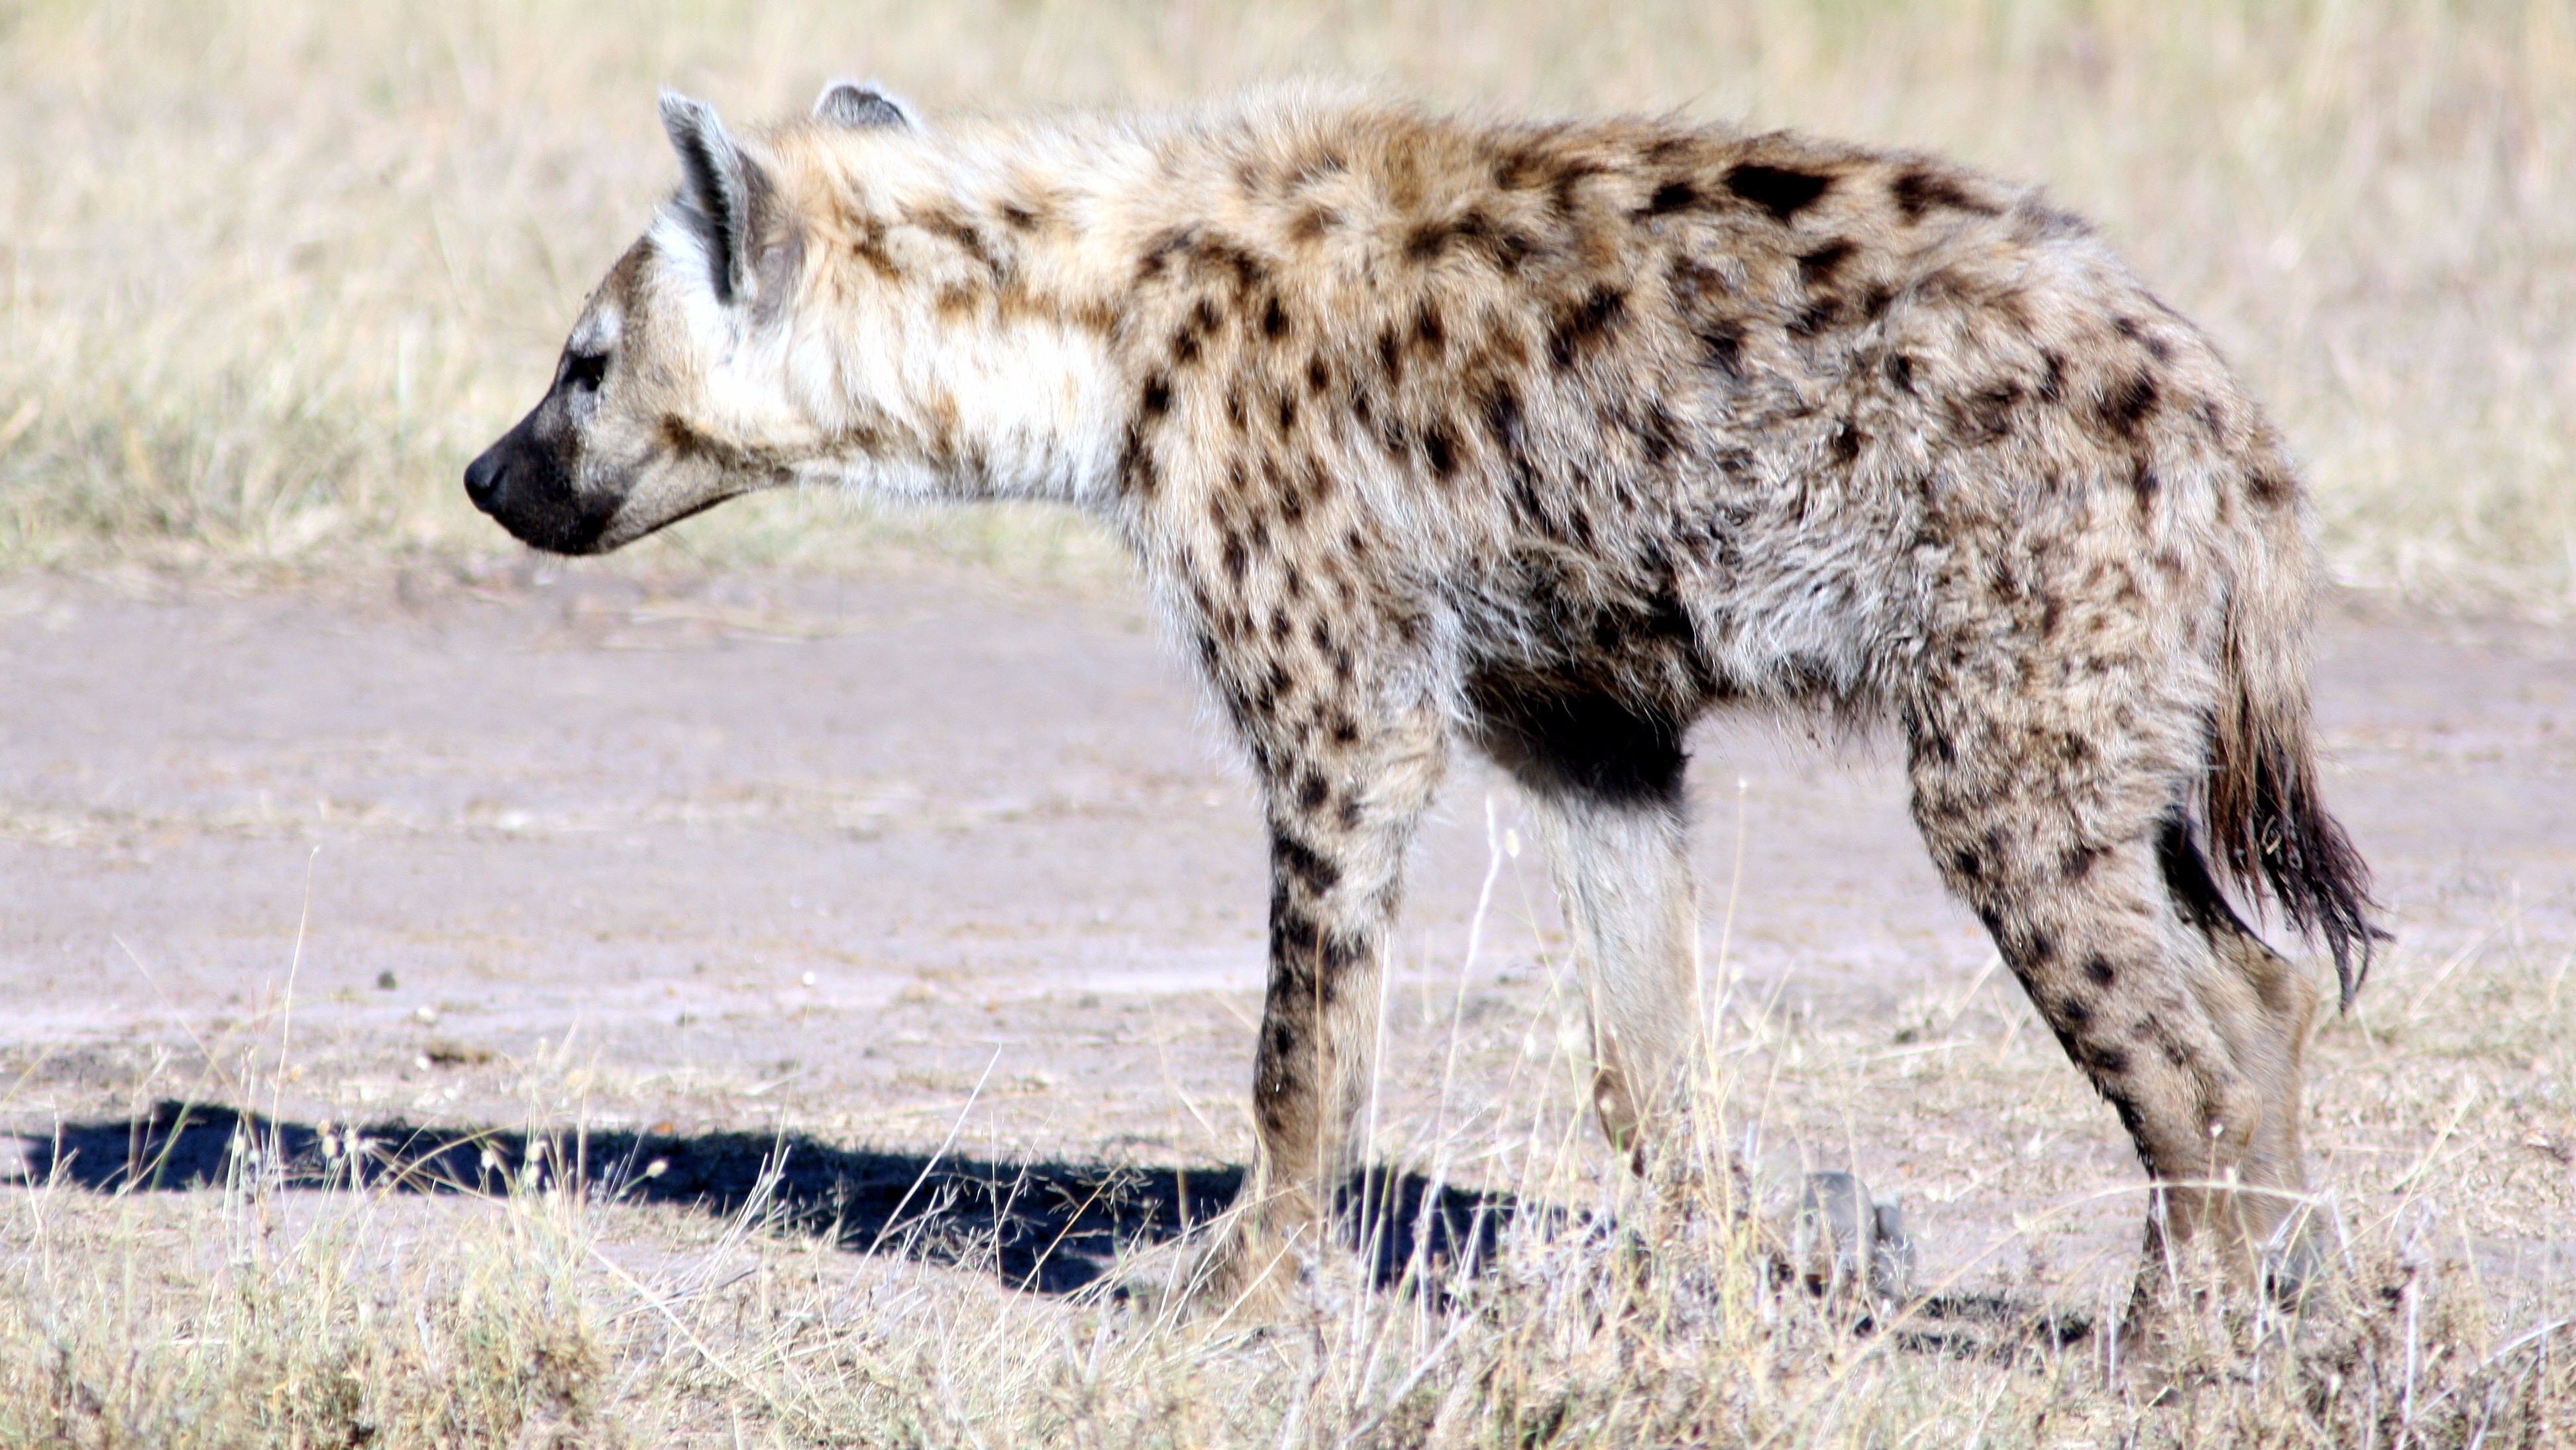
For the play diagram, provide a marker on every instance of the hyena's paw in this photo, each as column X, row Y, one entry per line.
column 1233, row 1274
column 2298, row 1257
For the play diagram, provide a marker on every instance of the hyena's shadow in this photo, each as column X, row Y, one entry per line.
column 1043, row 1227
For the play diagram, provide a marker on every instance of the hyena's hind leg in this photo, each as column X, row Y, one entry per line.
column 2060, row 822
column 2264, row 1005
column 1343, row 803
column 1605, row 786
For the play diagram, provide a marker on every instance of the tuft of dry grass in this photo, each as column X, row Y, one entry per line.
column 273, row 272
column 241, row 1317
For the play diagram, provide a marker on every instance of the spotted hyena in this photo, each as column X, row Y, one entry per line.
column 1549, row 438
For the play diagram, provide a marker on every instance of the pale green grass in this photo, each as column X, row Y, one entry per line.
column 269, row 274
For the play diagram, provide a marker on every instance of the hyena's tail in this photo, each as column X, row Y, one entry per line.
column 2269, row 830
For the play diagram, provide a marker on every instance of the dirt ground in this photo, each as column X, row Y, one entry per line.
column 933, row 860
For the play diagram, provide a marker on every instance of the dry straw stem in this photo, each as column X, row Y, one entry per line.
column 271, row 273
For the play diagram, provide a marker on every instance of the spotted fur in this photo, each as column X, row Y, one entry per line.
column 1549, row 438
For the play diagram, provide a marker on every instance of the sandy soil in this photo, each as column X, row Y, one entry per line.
column 718, row 860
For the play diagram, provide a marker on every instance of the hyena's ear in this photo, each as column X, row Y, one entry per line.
column 863, row 108
column 722, row 189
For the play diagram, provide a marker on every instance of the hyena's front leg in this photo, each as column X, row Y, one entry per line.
column 1623, row 880
column 1605, row 784
column 1342, row 810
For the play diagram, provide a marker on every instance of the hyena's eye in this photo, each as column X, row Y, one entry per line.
column 583, row 370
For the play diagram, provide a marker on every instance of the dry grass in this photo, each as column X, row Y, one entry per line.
column 310, row 1304
column 274, row 271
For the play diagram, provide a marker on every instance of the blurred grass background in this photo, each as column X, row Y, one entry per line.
column 273, row 272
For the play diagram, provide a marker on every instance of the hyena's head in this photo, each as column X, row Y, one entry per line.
column 672, row 393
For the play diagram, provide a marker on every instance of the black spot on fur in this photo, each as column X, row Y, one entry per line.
column 2052, row 381
column 1136, row 464
column 1474, row 232
column 1440, row 451
column 1845, row 442
column 1900, row 372
column 1312, row 793
column 1671, row 197
column 1234, row 556
column 2157, row 347
column 1721, row 347
column 1581, row 325
column 1918, row 191
column 1429, row 330
column 1817, row 268
column 1156, row 399
column 2099, row 970
column 1658, row 432
column 1274, row 319
column 2144, row 483
column 1160, row 252
column 1306, row 960
column 1217, row 253
column 1571, row 173
column 2269, row 487
column 1987, row 414
column 1781, row 192
column 2077, row 863
column 2127, row 405
column 1503, row 418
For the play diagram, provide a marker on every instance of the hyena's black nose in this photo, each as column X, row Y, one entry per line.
column 483, row 479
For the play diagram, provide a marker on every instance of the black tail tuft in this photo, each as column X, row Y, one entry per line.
column 2271, row 834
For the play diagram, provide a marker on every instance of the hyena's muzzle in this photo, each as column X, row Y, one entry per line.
column 529, row 481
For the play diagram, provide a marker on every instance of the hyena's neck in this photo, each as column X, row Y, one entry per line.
column 963, row 306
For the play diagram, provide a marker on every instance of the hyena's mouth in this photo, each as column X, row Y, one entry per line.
column 526, row 491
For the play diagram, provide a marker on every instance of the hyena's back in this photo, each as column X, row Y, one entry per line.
column 1801, row 382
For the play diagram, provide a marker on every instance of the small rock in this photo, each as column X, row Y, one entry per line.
column 1841, row 1239
column 448, row 1052
column 385, row 981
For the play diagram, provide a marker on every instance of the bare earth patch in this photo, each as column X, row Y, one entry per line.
column 771, row 1008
